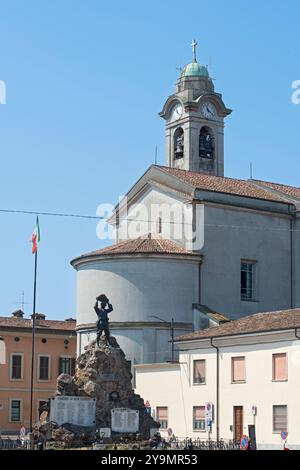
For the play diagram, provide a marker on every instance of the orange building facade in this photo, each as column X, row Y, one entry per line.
column 55, row 349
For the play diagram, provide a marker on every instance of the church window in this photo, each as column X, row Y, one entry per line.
column 159, row 225
column 248, row 269
column 178, row 143
column 206, row 143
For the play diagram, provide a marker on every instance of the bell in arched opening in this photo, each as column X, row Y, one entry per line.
column 178, row 143
column 206, row 143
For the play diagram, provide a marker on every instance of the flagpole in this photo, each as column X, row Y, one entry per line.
column 33, row 338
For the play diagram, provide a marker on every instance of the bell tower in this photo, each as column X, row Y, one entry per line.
column 194, row 117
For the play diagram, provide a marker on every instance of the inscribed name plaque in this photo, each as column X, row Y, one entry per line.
column 74, row 410
column 124, row 420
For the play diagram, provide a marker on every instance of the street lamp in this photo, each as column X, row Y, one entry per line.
column 172, row 333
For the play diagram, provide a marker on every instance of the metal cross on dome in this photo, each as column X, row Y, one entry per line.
column 194, row 45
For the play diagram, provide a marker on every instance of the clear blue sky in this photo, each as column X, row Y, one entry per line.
column 85, row 81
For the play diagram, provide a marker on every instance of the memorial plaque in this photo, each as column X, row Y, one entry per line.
column 124, row 420
column 80, row 411
column 104, row 432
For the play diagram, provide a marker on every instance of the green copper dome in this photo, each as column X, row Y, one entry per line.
column 194, row 69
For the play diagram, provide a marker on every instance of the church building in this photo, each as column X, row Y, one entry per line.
column 192, row 248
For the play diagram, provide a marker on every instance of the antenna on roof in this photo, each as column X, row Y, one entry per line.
column 155, row 155
column 251, row 175
column 23, row 303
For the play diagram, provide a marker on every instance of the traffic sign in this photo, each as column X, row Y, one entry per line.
column 244, row 442
column 284, row 435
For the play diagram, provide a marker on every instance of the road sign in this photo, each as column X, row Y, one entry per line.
column 148, row 407
column 209, row 411
column 284, row 435
column 252, row 437
column 244, row 442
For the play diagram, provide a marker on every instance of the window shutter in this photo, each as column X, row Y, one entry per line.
column 238, row 369
column 199, row 412
column 199, row 371
column 279, row 418
column 280, row 366
column 162, row 413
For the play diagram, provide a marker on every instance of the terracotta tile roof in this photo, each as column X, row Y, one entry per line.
column 13, row 322
column 225, row 185
column 151, row 243
column 291, row 191
column 267, row 321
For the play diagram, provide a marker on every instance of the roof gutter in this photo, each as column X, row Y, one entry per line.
column 233, row 335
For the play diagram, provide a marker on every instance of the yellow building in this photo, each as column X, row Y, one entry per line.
column 55, row 346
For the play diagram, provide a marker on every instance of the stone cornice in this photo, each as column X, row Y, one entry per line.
column 138, row 324
column 94, row 258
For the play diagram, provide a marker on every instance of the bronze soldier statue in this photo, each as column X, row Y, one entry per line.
column 102, row 314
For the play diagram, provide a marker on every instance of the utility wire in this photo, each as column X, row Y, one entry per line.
column 95, row 217
column 54, row 214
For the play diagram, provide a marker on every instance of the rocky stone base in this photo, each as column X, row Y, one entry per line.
column 102, row 373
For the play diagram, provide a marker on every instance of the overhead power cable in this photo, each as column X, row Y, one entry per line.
column 53, row 214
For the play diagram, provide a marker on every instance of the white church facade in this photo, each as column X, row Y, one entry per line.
column 192, row 247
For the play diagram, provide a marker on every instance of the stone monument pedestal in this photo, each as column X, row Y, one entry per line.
column 99, row 395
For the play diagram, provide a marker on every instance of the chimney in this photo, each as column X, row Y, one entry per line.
column 18, row 314
column 70, row 319
column 39, row 316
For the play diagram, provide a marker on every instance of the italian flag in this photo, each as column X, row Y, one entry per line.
column 35, row 238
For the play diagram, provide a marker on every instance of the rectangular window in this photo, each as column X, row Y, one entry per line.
column 280, row 367
column 159, row 225
column 199, row 418
column 15, row 410
column 162, row 416
column 66, row 365
column 248, row 280
column 279, row 418
column 44, row 368
column 16, row 366
column 199, row 372
column 238, row 369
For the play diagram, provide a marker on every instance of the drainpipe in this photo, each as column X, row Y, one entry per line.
column 199, row 283
column 218, row 388
column 292, row 261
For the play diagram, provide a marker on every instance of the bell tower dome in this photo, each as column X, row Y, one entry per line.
column 194, row 117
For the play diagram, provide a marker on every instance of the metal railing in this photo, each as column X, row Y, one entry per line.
column 10, row 444
column 204, row 444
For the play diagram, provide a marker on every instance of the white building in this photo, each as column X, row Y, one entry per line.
column 248, row 369
column 190, row 241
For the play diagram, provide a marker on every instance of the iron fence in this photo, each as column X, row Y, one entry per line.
column 204, row 444
column 10, row 444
